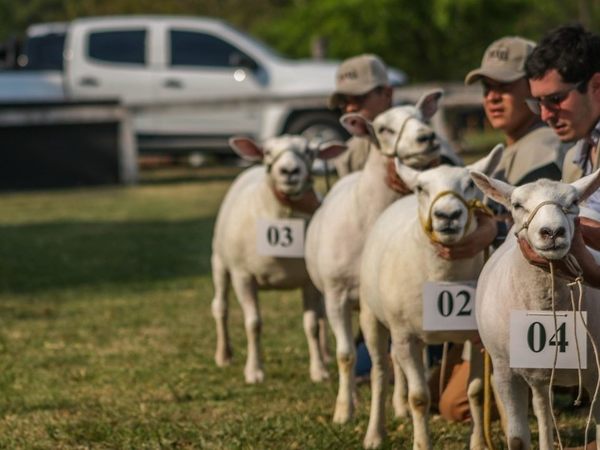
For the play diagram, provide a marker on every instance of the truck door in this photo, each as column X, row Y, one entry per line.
column 112, row 61
column 216, row 86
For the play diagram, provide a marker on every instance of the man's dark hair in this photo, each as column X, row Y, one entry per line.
column 570, row 49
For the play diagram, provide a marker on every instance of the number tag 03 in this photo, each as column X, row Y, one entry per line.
column 533, row 340
column 280, row 237
column 449, row 306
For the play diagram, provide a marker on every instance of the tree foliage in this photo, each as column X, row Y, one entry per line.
column 428, row 39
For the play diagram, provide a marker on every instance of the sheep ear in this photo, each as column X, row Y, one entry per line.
column 406, row 174
column 587, row 185
column 495, row 189
column 488, row 163
column 429, row 102
column 357, row 125
column 246, row 148
column 328, row 150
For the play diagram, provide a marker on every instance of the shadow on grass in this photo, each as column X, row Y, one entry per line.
column 175, row 175
column 69, row 254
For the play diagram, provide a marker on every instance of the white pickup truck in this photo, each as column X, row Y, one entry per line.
column 190, row 82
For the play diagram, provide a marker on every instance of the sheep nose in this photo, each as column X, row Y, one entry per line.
column 426, row 138
column 442, row 215
column 549, row 233
column 290, row 172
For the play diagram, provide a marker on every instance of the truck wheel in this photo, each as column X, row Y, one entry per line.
column 321, row 125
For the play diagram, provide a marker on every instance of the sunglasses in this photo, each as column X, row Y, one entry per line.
column 357, row 100
column 552, row 102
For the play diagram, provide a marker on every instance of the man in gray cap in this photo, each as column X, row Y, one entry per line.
column 361, row 86
column 532, row 151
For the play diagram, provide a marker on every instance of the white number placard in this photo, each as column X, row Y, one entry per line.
column 280, row 237
column 449, row 306
column 534, row 339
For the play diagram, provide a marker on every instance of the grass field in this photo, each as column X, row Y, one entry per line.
column 107, row 340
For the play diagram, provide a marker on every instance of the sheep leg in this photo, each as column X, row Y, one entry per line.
column 400, row 395
column 541, row 408
column 513, row 392
column 475, row 395
column 311, row 299
column 246, row 291
column 339, row 316
column 408, row 354
column 220, row 311
column 376, row 338
column 324, row 333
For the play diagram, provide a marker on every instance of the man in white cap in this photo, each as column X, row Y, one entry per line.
column 361, row 86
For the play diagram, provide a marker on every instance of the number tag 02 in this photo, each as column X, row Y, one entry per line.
column 448, row 306
column 280, row 237
column 533, row 341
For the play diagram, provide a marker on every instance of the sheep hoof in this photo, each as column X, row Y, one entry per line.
column 373, row 440
column 343, row 414
column 319, row 375
column 223, row 359
column 401, row 411
column 254, row 376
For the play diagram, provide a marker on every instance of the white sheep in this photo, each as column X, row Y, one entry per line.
column 398, row 258
column 543, row 214
column 336, row 234
column 281, row 188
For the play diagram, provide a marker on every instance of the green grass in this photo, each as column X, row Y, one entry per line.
column 107, row 340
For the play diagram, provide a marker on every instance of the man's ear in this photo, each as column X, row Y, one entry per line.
column 594, row 86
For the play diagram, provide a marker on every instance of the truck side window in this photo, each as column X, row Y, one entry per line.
column 191, row 48
column 124, row 46
column 44, row 52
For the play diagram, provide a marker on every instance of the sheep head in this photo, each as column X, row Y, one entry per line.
column 288, row 159
column 446, row 195
column 543, row 211
column 402, row 131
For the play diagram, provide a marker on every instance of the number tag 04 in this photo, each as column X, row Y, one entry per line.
column 533, row 340
column 448, row 306
column 280, row 237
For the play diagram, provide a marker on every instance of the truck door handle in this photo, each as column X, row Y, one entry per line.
column 173, row 83
column 89, row 82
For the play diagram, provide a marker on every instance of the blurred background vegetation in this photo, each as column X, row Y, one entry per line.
column 428, row 39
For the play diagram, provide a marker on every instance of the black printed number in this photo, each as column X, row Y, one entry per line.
column 536, row 337
column 445, row 303
column 282, row 237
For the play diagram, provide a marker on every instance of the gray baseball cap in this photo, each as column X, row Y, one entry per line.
column 357, row 76
column 503, row 61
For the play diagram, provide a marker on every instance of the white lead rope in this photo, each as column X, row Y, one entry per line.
column 574, row 267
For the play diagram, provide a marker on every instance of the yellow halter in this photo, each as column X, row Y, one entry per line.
column 471, row 205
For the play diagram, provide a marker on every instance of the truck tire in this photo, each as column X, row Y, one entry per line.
column 324, row 126
column 321, row 125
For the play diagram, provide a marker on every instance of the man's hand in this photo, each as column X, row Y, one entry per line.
column 589, row 266
column 470, row 245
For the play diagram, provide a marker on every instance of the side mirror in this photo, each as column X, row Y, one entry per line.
column 237, row 59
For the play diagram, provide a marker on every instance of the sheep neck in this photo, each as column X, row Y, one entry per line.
column 373, row 195
column 306, row 202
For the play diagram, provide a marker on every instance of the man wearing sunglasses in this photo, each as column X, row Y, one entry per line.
column 361, row 86
column 564, row 76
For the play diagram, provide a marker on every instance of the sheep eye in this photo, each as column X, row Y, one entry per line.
column 419, row 188
column 471, row 184
column 384, row 129
column 517, row 205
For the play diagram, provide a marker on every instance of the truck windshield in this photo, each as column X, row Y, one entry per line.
column 43, row 52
